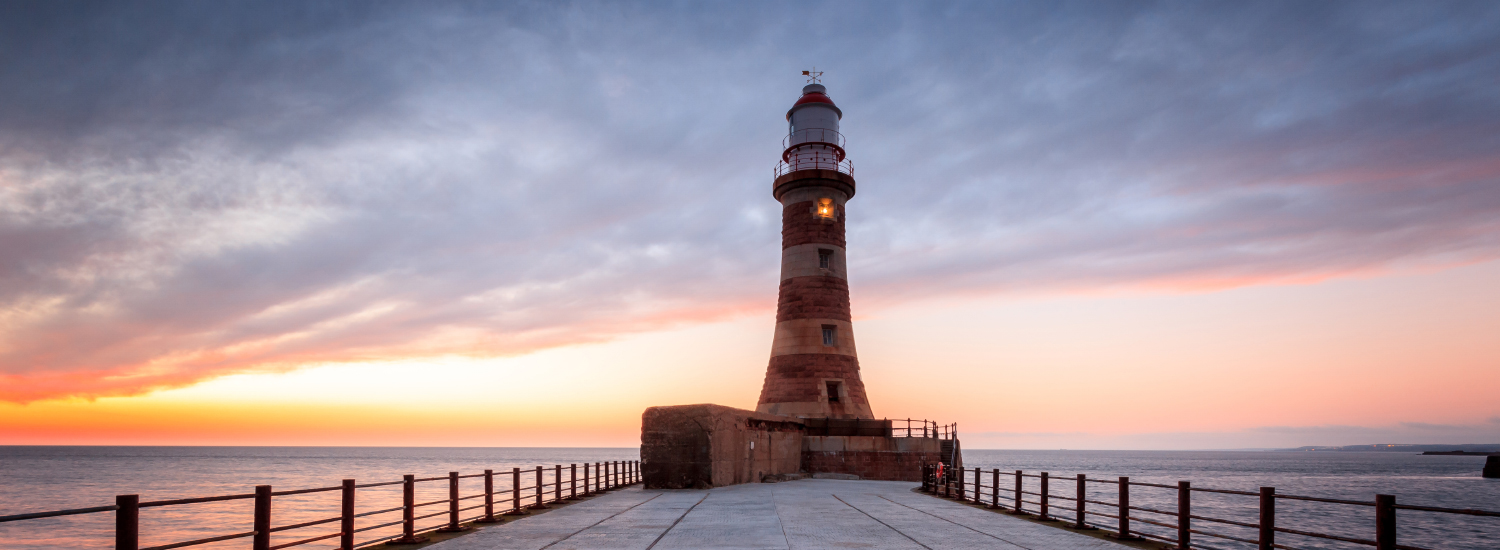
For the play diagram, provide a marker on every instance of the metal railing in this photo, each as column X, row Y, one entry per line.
column 603, row 476
column 813, row 161
column 957, row 484
column 813, row 149
column 922, row 428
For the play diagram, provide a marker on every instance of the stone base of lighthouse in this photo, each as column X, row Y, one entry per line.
column 702, row 446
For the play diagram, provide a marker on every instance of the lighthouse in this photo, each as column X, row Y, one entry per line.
column 813, row 416
column 813, row 370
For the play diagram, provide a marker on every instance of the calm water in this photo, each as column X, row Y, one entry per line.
column 49, row 478
column 1449, row 481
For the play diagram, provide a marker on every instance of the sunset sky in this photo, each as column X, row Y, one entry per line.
column 1079, row 225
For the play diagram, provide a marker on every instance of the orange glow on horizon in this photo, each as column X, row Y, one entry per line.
column 1115, row 370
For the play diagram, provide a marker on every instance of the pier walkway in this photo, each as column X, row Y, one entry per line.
column 812, row 513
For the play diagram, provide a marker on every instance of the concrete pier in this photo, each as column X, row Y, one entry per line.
column 808, row 514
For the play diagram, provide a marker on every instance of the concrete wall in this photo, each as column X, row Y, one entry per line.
column 700, row 446
column 870, row 457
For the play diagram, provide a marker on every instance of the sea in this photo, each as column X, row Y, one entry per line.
column 38, row 478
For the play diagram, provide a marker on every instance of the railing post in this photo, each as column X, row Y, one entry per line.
column 960, row 494
column 586, row 490
column 262, row 521
column 539, row 489
column 1083, row 495
column 453, row 526
column 489, row 499
column 557, row 483
column 1018, row 509
column 346, row 516
column 1124, row 508
column 128, row 522
column 1267, row 518
column 573, row 484
column 408, row 512
column 1185, row 515
column 1385, row 522
column 515, row 493
column 1045, row 491
column 978, row 487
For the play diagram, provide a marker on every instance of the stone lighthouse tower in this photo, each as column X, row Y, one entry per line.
column 814, row 372
column 813, row 416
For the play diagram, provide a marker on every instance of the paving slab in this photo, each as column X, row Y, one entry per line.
column 795, row 515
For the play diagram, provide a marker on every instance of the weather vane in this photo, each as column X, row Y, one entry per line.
column 812, row 76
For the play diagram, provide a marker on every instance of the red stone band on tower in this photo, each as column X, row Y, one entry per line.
column 813, row 372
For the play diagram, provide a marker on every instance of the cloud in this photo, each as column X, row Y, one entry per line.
column 188, row 191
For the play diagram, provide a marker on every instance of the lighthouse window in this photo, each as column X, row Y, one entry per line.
column 833, row 392
column 825, row 208
column 823, row 256
column 829, row 332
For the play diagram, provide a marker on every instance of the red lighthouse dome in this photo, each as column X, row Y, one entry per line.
column 815, row 94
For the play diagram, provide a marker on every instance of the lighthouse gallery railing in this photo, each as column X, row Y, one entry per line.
column 813, row 149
